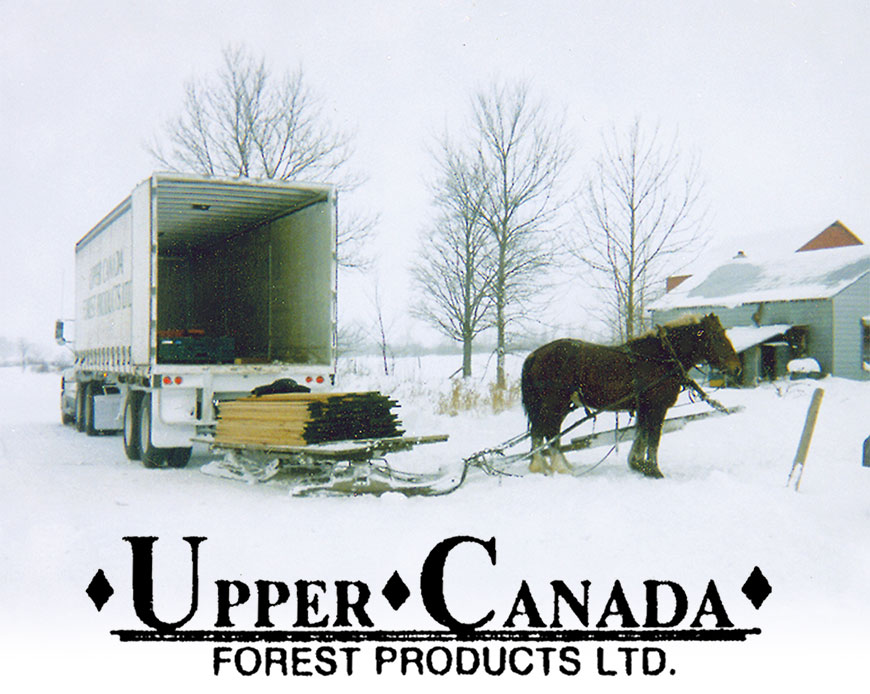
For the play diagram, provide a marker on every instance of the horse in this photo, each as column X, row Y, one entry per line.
column 644, row 375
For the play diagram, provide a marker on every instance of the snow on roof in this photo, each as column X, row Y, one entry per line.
column 780, row 277
column 746, row 336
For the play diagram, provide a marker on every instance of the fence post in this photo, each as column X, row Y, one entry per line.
column 810, row 423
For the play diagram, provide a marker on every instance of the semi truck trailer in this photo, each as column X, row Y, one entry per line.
column 192, row 291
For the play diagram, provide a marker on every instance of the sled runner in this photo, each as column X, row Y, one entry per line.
column 338, row 467
column 496, row 460
column 291, row 437
column 359, row 467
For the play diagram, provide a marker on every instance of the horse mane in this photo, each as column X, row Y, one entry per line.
column 652, row 335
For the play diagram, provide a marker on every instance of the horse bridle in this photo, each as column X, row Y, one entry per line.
column 686, row 379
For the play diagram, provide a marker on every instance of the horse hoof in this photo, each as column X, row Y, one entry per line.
column 537, row 465
column 646, row 470
column 558, row 464
column 653, row 472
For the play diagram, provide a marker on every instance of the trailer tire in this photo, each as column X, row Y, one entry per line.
column 90, row 430
column 152, row 456
column 178, row 457
column 65, row 417
column 132, row 427
column 80, row 406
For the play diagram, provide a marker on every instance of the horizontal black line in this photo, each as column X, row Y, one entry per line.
column 347, row 636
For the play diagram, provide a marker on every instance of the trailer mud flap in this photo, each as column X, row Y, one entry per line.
column 172, row 420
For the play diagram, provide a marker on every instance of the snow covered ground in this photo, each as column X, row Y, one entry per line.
column 66, row 502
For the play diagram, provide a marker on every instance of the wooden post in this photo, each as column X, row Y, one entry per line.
column 810, row 423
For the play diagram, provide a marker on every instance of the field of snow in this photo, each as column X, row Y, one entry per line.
column 68, row 500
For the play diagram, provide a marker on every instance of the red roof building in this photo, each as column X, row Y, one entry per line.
column 835, row 236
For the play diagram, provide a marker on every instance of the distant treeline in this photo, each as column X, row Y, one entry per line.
column 20, row 351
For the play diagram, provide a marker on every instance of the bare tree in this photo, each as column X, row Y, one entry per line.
column 249, row 122
column 453, row 272
column 382, row 329
column 351, row 339
column 522, row 154
column 355, row 233
column 641, row 209
column 29, row 353
column 25, row 349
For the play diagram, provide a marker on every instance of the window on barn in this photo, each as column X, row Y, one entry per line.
column 798, row 338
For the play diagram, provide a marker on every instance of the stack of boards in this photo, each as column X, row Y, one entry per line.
column 300, row 419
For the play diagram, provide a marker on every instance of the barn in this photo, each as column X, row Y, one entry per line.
column 808, row 303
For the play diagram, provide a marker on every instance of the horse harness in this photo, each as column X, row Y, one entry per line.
column 685, row 378
column 576, row 400
column 686, row 381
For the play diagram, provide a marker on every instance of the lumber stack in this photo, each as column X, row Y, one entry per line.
column 299, row 419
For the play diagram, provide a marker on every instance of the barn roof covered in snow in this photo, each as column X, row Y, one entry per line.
column 784, row 277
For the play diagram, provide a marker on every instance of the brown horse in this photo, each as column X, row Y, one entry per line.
column 643, row 375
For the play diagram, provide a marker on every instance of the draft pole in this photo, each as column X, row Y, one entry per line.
column 804, row 445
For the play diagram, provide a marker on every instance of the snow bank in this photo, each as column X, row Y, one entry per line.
column 67, row 500
column 804, row 366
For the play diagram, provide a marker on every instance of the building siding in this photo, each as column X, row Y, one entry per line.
column 816, row 314
column 850, row 305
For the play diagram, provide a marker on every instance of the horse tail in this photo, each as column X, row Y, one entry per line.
column 530, row 394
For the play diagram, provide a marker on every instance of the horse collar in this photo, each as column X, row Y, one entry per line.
column 663, row 337
column 688, row 380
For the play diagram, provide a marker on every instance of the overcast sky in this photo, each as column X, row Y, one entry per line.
column 772, row 96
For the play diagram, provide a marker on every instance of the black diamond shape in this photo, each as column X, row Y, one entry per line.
column 757, row 588
column 395, row 591
column 99, row 590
